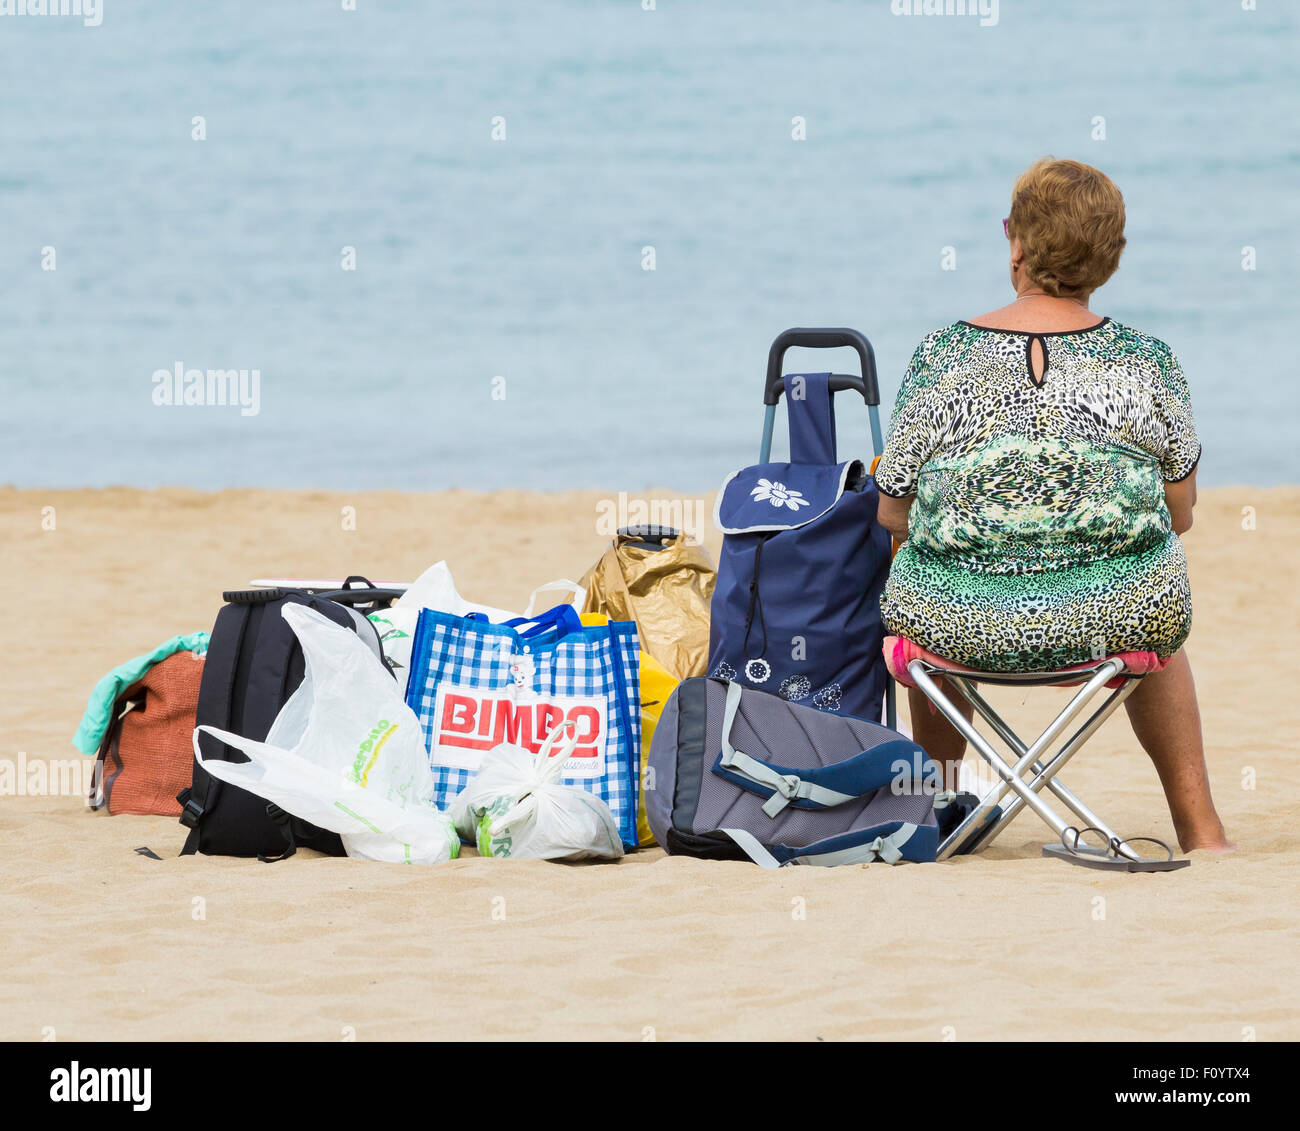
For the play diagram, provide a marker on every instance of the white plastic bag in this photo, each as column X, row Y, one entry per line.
column 435, row 589
column 345, row 752
column 516, row 807
column 559, row 585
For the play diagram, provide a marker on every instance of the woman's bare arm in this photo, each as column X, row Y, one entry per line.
column 893, row 513
column 1180, row 498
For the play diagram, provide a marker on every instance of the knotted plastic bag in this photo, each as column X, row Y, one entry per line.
column 516, row 807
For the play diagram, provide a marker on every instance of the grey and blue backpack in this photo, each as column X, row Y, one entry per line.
column 738, row 774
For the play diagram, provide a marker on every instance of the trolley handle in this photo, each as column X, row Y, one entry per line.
column 805, row 338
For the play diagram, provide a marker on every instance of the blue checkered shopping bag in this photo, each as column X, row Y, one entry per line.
column 475, row 685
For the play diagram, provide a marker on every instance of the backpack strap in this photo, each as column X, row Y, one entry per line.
column 282, row 819
column 215, row 694
column 818, row 787
column 364, row 626
column 886, row 847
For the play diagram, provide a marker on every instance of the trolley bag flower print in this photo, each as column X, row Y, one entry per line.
column 778, row 494
column 476, row 685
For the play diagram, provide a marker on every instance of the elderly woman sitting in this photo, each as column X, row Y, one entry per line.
column 1040, row 467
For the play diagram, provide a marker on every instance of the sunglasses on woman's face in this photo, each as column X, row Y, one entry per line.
column 1006, row 228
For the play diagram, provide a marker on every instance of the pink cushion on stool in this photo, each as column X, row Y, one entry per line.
column 899, row 652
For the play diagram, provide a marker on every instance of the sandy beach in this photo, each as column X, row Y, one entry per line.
column 103, row 943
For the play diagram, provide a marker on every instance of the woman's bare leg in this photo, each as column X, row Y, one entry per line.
column 935, row 734
column 1167, row 722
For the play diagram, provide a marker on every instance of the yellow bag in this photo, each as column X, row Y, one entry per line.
column 665, row 590
column 656, row 684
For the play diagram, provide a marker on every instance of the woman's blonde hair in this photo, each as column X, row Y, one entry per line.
column 1069, row 218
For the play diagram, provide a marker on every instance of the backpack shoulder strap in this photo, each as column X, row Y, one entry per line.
column 882, row 843
column 283, row 821
column 344, row 614
column 215, row 701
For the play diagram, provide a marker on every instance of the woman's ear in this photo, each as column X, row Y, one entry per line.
column 1017, row 253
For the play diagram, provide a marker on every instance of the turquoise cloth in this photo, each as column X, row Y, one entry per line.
column 99, row 711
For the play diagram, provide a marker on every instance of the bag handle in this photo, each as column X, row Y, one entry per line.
column 548, row 763
column 349, row 595
column 563, row 617
column 548, row 766
column 358, row 596
column 559, row 585
column 819, row 339
column 812, row 338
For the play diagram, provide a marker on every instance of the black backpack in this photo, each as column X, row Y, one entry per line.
column 254, row 664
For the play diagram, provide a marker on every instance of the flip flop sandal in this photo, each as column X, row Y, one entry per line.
column 1072, row 852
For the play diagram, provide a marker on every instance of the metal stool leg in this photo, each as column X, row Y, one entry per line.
column 1045, row 774
column 1011, row 776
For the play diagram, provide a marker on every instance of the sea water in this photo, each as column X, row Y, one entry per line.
column 547, row 244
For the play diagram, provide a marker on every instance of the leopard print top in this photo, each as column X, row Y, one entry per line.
column 1039, row 537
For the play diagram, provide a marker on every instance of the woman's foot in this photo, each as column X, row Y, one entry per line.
column 1219, row 846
